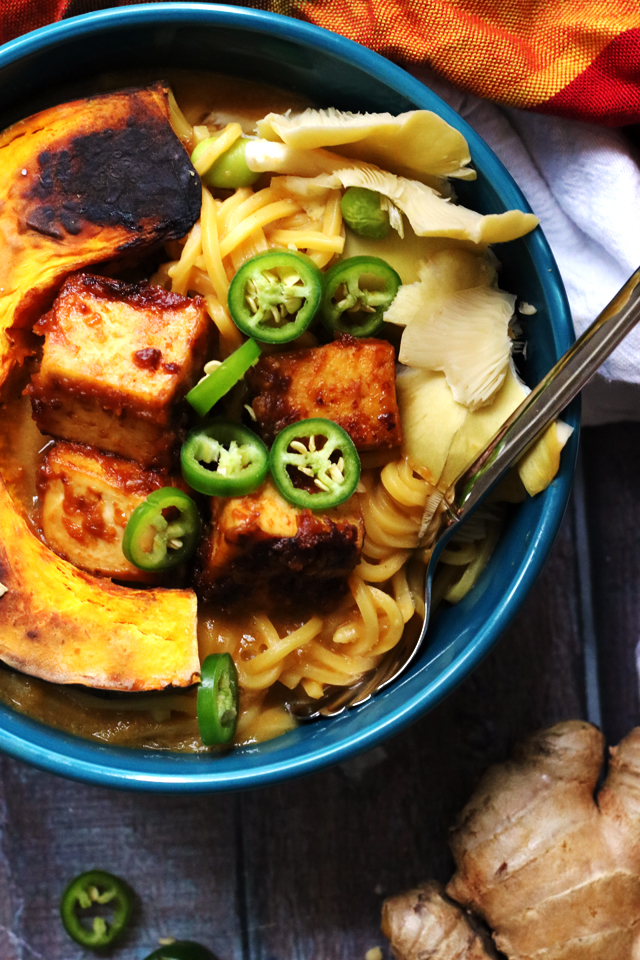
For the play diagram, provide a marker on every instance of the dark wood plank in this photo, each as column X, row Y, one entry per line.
column 321, row 853
column 178, row 854
column 612, row 488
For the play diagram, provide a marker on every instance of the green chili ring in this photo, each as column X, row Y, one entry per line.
column 357, row 292
column 182, row 950
column 239, row 457
column 216, row 385
column 91, row 889
column 155, row 542
column 274, row 296
column 218, row 698
column 332, row 471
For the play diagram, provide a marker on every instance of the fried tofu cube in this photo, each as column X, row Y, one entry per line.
column 350, row 381
column 262, row 547
column 87, row 498
column 116, row 360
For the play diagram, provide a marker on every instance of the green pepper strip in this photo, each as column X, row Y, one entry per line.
column 217, row 384
column 155, row 542
column 357, row 292
column 87, row 891
column 182, row 950
column 240, row 459
column 275, row 295
column 218, row 698
column 330, row 469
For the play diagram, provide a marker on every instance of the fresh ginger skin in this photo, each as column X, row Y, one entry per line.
column 554, row 872
column 423, row 924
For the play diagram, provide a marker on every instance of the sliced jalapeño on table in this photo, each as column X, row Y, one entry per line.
column 96, row 909
column 181, row 950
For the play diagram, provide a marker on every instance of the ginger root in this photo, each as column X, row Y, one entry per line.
column 423, row 923
column 552, row 869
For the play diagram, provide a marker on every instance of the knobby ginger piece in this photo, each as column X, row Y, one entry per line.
column 553, row 870
column 423, row 925
column 554, row 874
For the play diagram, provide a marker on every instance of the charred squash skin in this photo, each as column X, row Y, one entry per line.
column 82, row 183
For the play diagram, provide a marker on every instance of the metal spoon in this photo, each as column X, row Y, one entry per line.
column 563, row 382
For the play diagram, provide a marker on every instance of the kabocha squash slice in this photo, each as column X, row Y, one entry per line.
column 83, row 183
column 63, row 625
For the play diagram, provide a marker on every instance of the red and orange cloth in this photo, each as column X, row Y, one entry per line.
column 573, row 58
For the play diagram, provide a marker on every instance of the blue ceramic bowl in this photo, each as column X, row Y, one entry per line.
column 330, row 71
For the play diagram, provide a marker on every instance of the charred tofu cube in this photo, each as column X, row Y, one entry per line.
column 262, row 547
column 350, row 381
column 87, row 498
column 116, row 360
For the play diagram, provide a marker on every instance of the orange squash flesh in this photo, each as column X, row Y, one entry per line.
column 84, row 183
column 63, row 625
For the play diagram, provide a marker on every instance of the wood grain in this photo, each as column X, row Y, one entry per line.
column 612, row 482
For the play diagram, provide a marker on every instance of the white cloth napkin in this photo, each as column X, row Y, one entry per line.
column 583, row 183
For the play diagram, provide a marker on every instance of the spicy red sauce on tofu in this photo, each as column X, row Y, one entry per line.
column 116, row 360
column 352, row 382
column 261, row 546
column 87, row 498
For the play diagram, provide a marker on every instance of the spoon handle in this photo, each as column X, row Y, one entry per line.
column 541, row 407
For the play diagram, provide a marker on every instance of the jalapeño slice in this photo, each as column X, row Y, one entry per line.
column 83, row 896
column 357, row 291
column 275, row 295
column 315, row 464
column 218, row 699
column 224, row 459
column 182, row 950
column 163, row 531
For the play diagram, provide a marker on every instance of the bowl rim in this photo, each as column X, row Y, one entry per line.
column 67, row 755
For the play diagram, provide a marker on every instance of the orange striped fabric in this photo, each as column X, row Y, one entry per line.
column 550, row 55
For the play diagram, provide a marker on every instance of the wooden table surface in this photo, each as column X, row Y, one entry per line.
column 298, row 871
